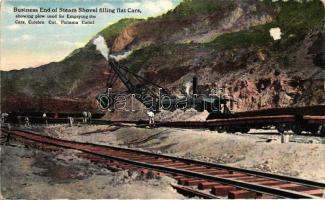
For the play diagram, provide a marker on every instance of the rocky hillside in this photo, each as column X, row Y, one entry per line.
column 225, row 43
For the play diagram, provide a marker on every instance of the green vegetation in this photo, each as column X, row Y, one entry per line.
column 142, row 56
column 111, row 31
column 256, row 36
column 294, row 19
column 72, row 72
column 196, row 7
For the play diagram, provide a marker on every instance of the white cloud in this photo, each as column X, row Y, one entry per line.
column 104, row 5
column 275, row 33
column 79, row 44
column 65, row 43
column 152, row 7
column 14, row 27
column 165, row 5
column 132, row 5
column 6, row 8
column 24, row 37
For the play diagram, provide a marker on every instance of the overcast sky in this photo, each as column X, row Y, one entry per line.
column 28, row 45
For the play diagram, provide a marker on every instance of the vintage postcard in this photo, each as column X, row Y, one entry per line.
column 162, row 99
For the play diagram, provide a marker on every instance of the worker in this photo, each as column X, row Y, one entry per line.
column 4, row 117
column 71, row 120
column 151, row 116
column 27, row 124
column 84, row 117
column 89, row 117
column 45, row 118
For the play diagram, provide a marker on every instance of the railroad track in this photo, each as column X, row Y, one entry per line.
column 195, row 178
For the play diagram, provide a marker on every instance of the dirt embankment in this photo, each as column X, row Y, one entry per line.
column 33, row 174
column 302, row 157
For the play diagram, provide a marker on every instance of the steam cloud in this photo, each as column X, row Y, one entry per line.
column 121, row 57
column 101, row 46
column 104, row 50
column 187, row 87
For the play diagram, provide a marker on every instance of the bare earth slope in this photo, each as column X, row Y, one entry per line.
column 227, row 44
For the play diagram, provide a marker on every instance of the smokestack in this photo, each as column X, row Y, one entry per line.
column 194, row 85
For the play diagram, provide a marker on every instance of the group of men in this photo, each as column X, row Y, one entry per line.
column 86, row 118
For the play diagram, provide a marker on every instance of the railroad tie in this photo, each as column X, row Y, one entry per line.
column 193, row 182
column 207, row 185
column 222, row 190
column 242, row 194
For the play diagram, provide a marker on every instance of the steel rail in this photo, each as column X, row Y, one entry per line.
column 170, row 170
column 300, row 181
